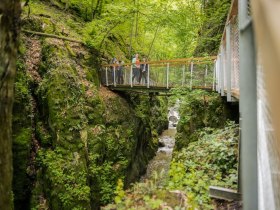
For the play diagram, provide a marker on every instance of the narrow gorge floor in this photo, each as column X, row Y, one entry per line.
column 160, row 164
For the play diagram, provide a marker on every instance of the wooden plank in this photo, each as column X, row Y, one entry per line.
column 234, row 93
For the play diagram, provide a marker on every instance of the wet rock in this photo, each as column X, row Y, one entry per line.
column 173, row 119
column 161, row 144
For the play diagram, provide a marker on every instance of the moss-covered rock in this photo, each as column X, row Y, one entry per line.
column 22, row 135
column 210, row 35
column 80, row 138
column 198, row 109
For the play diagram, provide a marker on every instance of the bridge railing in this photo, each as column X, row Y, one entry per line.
column 227, row 63
column 190, row 73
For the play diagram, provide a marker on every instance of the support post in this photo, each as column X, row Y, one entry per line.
column 218, row 64
column 114, row 76
column 148, row 83
column 205, row 75
column 222, row 70
column 106, row 76
column 131, row 85
column 183, row 77
column 228, row 61
column 214, row 75
column 191, row 75
column 248, row 109
column 167, row 75
column 125, row 75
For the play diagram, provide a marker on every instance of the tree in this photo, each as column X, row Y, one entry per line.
column 9, row 31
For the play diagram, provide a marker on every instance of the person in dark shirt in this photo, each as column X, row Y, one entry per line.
column 143, row 71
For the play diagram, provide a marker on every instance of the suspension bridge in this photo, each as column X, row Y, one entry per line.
column 240, row 72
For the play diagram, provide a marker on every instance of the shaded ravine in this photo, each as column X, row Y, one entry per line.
column 160, row 164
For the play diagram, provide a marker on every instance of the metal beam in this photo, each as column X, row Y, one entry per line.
column 228, row 61
column 222, row 70
column 191, row 75
column 224, row 193
column 167, row 75
column 106, row 76
column 183, row 77
column 218, row 87
column 114, row 72
column 148, row 82
column 214, row 75
column 131, row 76
column 248, row 109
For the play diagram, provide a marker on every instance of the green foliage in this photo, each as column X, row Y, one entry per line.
column 198, row 109
column 160, row 29
column 211, row 33
column 148, row 195
column 21, row 149
column 211, row 160
column 67, row 178
column 22, row 134
column 119, row 192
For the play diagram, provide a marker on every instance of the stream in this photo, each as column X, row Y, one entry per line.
column 160, row 164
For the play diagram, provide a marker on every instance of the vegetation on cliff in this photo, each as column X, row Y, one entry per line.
column 72, row 139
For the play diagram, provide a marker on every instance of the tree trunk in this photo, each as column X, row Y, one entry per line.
column 9, row 29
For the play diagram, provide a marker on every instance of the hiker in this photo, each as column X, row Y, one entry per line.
column 135, row 67
column 143, row 71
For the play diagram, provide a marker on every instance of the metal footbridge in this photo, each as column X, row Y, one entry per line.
column 161, row 76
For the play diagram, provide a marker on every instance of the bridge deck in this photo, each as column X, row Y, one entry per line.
column 151, row 89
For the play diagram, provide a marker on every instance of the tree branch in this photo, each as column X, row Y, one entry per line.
column 52, row 36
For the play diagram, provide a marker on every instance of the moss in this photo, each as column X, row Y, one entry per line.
column 21, row 181
column 32, row 23
column 216, row 12
column 43, row 135
column 198, row 109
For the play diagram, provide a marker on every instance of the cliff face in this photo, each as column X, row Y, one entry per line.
column 72, row 138
column 215, row 12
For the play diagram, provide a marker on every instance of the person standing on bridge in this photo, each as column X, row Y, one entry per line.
column 143, row 71
column 135, row 67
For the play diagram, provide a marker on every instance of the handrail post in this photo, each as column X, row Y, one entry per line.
column 191, row 75
column 124, row 80
column 106, row 69
column 228, row 61
column 131, row 76
column 148, row 82
column 167, row 75
column 219, row 73
column 222, row 71
column 183, row 78
column 205, row 75
column 214, row 75
column 114, row 76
